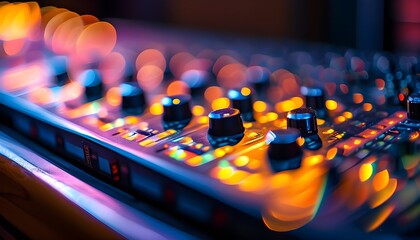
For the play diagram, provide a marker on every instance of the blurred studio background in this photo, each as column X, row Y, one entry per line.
column 390, row 25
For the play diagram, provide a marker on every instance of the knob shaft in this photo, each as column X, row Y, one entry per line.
column 303, row 119
column 176, row 108
column 413, row 107
column 133, row 99
column 225, row 122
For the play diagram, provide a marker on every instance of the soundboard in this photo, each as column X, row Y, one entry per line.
column 245, row 137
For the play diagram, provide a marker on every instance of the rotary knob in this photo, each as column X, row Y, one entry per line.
column 303, row 119
column 92, row 81
column 283, row 144
column 242, row 100
column 283, row 152
column 314, row 97
column 225, row 122
column 176, row 109
column 133, row 99
column 413, row 107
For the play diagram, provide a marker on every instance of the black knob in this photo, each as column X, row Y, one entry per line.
column 62, row 78
column 133, row 99
column 242, row 100
column 413, row 107
column 92, row 81
column 176, row 108
column 303, row 119
column 283, row 152
column 314, row 97
column 225, row 122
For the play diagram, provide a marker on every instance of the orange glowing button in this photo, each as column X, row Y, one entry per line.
column 219, row 152
column 331, row 105
column 271, row 116
column 220, row 103
column 346, row 146
column 195, row 161
column 260, row 106
column 198, row 110
column 331, row 153
column 245, row 91
column 156, row 109
column 225, row 173
column 320, row 122
column 254, row 164
column 348, row 115
column 241, row 161
column 357, row 98
column 131, row 120
column 254, row 182
column 236, row 178
column 367, row 107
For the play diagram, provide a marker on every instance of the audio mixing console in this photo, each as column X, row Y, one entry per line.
column 249, row 137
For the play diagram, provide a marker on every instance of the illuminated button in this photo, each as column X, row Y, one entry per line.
column 130, row 136
column 92, row 81
column 241, row 99
column 151, row 141
column 225, row 122
column 413, row 107
column 241, row 161
column 200, row 160
column 133, row 99
column 303, row 119
column 219, row 152
column 165, row 134
column 146, row 142
column 106, row 127
column 179, row 154
column 176, row 111
column 351, row 145
column 369, row 133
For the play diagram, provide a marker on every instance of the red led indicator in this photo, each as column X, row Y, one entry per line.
column 401, row 97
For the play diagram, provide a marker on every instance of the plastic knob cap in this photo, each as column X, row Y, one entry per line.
column 242, row 100
column 92, row 81
column 283, row 144
column 176, row 108
column 303, row 119
column 314, row 97
column 133, row 99
column 225, row 122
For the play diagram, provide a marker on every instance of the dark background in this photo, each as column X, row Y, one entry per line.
column 392, row 25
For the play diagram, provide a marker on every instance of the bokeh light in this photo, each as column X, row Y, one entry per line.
column 149, row 77
column 96, row 41
column 151, row 57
